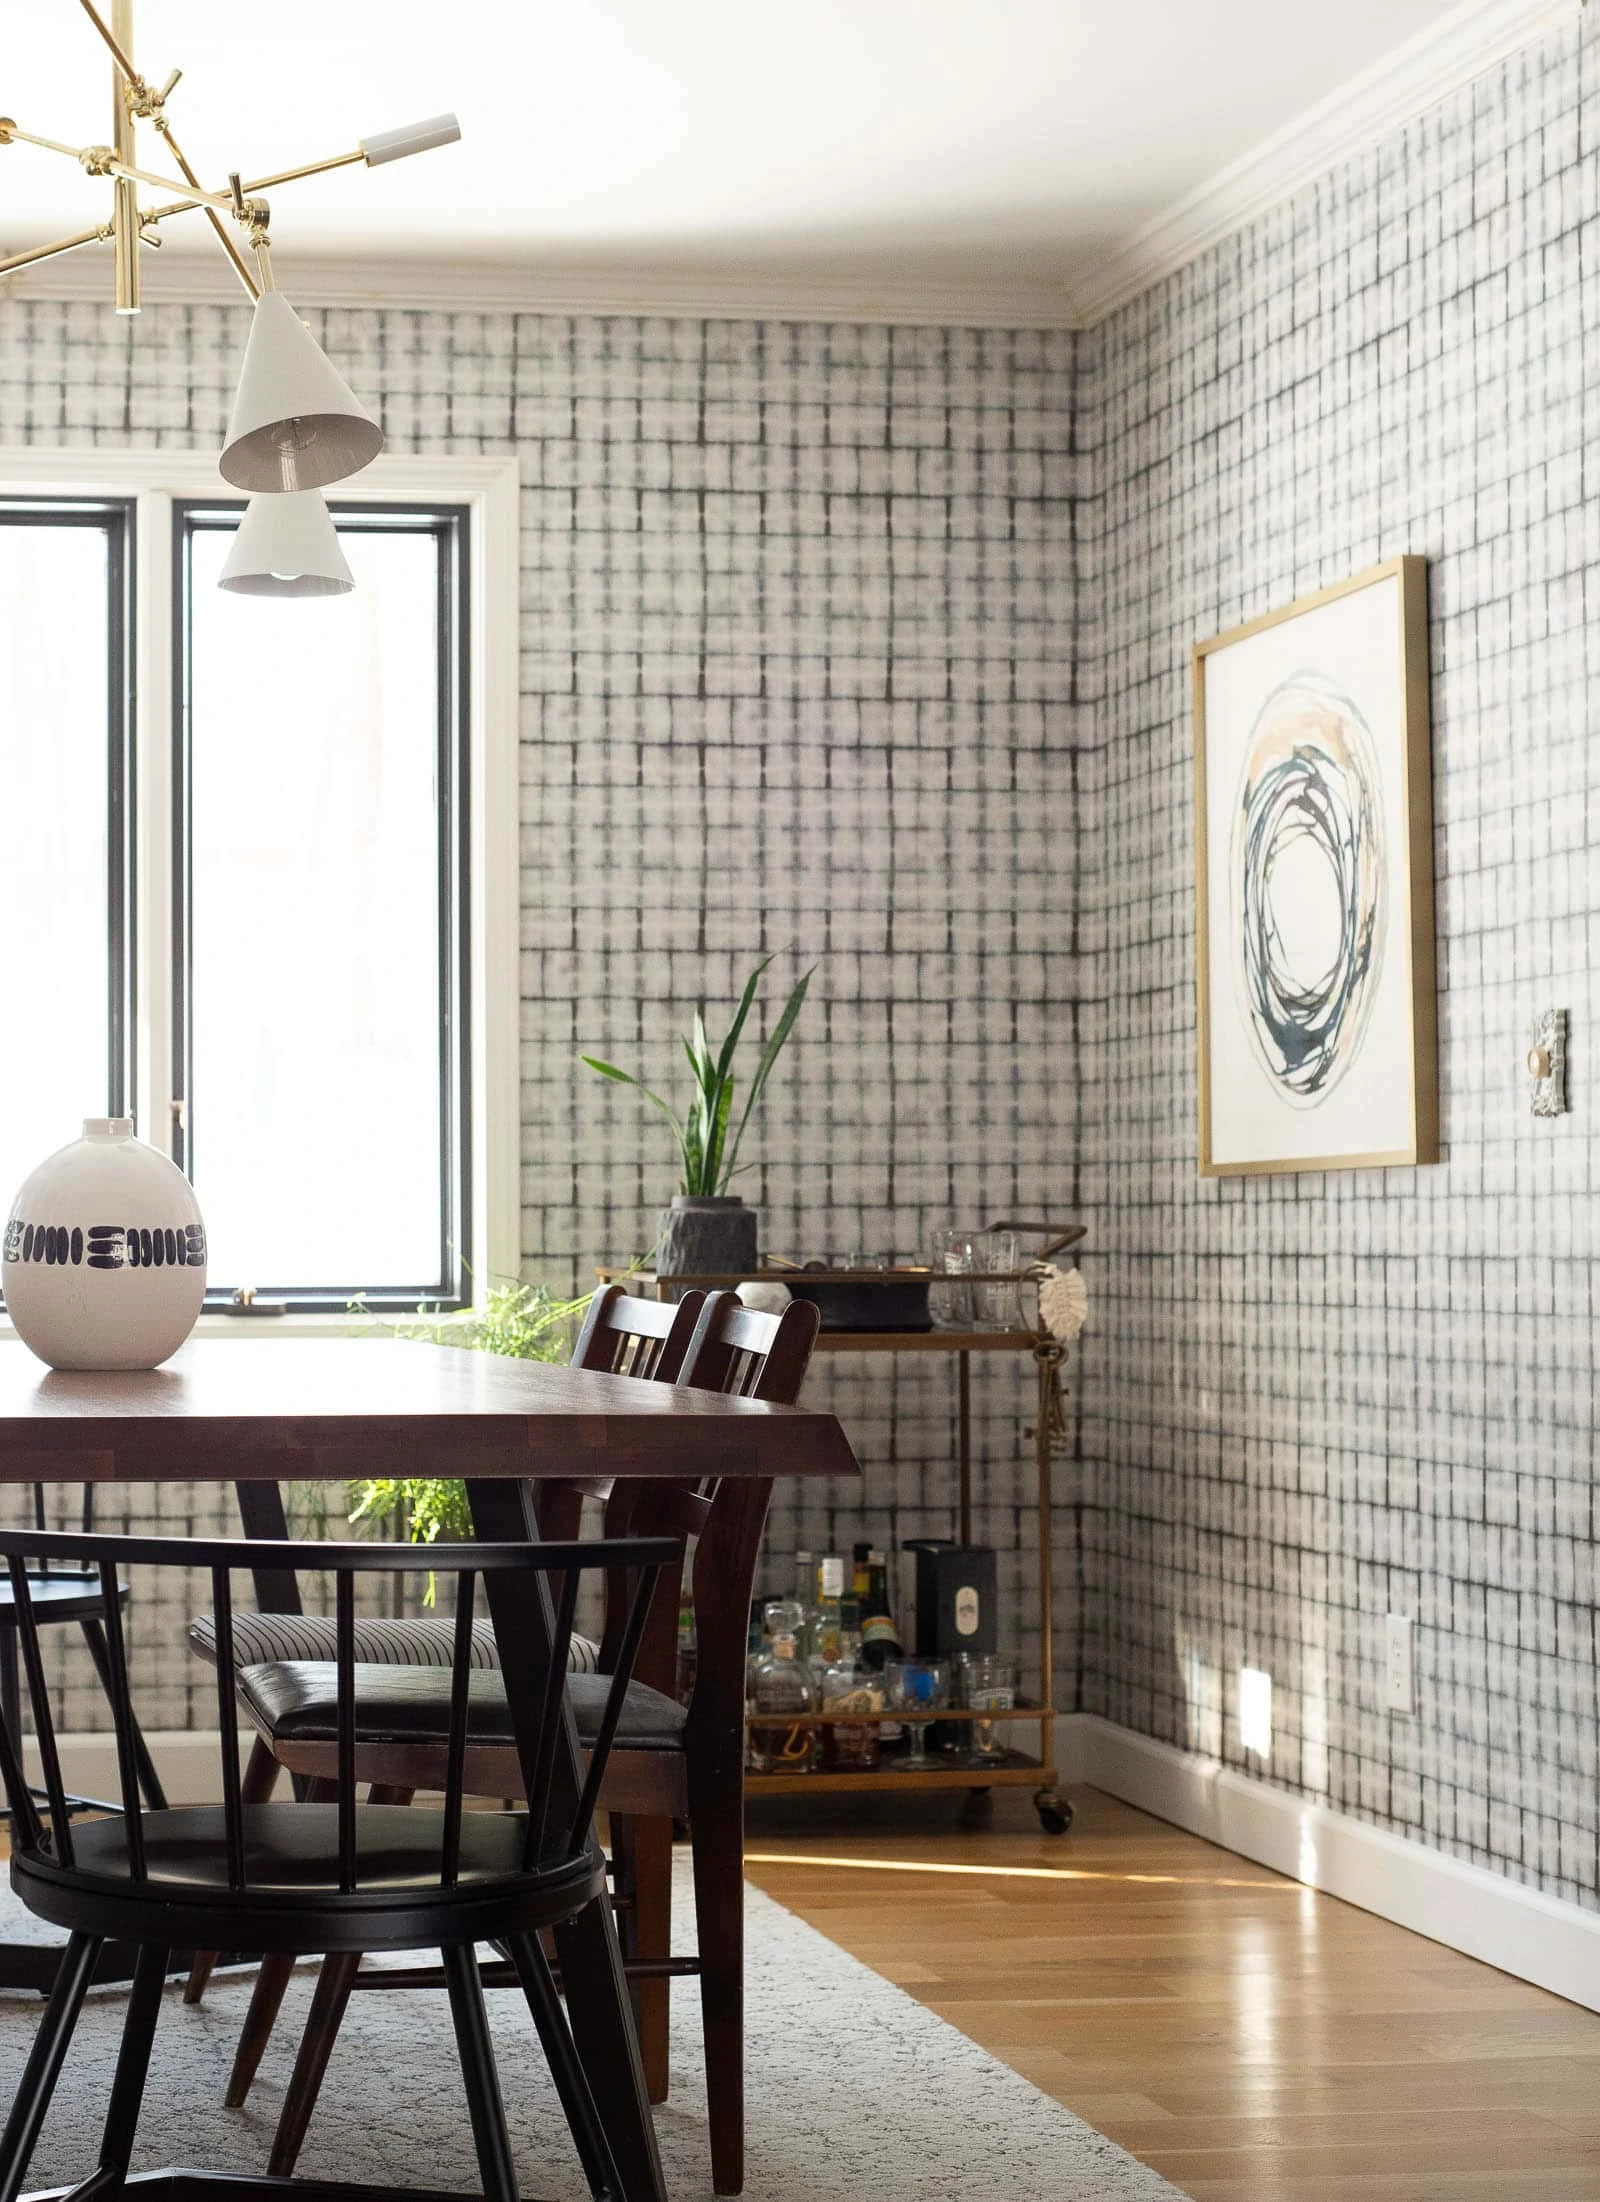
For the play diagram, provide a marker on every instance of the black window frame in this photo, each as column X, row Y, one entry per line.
column 117, row 519
column 449, row 524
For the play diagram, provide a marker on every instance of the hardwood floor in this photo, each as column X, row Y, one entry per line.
column 1250, row 2039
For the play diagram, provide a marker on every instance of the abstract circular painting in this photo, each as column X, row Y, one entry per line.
column 1308, row 878
column 1314, row 894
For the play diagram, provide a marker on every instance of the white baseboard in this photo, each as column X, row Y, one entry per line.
column 1537, row 1938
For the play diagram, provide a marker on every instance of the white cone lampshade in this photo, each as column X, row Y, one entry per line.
column 287, row 546
column 296, row 422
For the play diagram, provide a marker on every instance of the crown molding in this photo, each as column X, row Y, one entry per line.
column 1417, row 76
column 1402, row 85
column 460, row 285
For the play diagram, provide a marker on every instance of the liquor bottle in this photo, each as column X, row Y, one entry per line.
column 804, row 1595
column 778, row 1686
column 880, row 1639
column 825, row 1632
column 861, row 1580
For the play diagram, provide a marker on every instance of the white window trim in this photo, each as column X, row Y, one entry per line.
column 488, row 487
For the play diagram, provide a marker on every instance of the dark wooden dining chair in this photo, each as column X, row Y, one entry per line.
column 669, row 1762
column 61, row 1594
column 621, row 1334
column 337, row 1874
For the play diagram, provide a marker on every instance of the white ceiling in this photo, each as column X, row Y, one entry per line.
column 1017, row 144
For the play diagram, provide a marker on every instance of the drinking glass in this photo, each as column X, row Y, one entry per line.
column 990, row 1686
column 954, row 1255
column 997, row 1307
column 918, row 1686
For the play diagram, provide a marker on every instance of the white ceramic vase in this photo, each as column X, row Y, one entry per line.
column 104, row 1259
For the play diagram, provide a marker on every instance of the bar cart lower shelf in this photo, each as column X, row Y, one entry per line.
column 943, row 1771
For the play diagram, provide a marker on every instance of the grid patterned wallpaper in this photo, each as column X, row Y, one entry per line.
column 1313, row 1400
column 797, row 679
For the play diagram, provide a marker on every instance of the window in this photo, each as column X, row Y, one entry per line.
column 65, row 799
column 319, row 980
column 250, row 899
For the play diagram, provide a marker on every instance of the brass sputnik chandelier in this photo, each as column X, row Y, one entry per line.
column 296, row 424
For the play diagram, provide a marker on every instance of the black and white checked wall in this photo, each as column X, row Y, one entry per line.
column 870, row 648
column 1310, row 1401
column 796, row 679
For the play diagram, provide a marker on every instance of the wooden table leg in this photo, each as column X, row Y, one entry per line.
column 598, row 2004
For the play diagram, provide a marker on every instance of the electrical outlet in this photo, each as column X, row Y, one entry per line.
column 1399, row 1663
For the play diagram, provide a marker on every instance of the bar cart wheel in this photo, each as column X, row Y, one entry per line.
column 1054, row 1810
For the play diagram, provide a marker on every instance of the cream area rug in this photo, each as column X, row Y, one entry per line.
column 853, row 2091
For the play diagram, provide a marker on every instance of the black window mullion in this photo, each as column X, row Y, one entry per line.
column 122, row 1008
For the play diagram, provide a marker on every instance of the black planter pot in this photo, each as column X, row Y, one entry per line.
column 706, row 1235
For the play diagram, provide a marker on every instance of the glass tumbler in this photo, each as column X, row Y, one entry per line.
column 990, row 1687
column 997, row 1304
column 954, row 1257
column 918, row 1686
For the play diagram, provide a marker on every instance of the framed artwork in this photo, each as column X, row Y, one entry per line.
column 1314, row 873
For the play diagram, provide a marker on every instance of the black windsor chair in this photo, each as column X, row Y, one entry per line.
column 312, row 1877
column 62, row 1593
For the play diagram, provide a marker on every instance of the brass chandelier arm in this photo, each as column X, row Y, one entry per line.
column 307, row 168
column 13, row 132
column 48, row 252
column 241, row 266
column 130, row 75
column 124, row 197
column 260, row 183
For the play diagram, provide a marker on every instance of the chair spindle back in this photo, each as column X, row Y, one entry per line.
column 538, row 1730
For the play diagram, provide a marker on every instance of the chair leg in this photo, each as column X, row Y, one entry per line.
column 45, row 2058
column 577, row 2098
column 259, row 1780
column 488, row 2111
column 133, row 2062
column 334, row 1983
column 150, row 1788
column 10, row 1686
column 643, row 1850
column 266, row 1999
column 272, row 1981
column 716, row 1824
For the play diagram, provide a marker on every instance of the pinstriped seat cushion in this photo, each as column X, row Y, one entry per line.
column 260, row 1638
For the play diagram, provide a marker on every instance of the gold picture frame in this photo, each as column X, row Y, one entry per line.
column 1315, row 970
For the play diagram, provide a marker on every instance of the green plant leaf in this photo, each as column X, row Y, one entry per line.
column 769, row 1055
column 700, row 1054
column 725, row 1060
column 719, row 1138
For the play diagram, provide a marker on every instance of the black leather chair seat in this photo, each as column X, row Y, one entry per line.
column 295, row 1700
column 293, row 1903
column 296, row 1847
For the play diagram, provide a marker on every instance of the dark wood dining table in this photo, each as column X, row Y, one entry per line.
column 257, row 1412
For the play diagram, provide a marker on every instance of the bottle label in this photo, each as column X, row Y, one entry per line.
column 879, row 1628
column 966, row 1611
